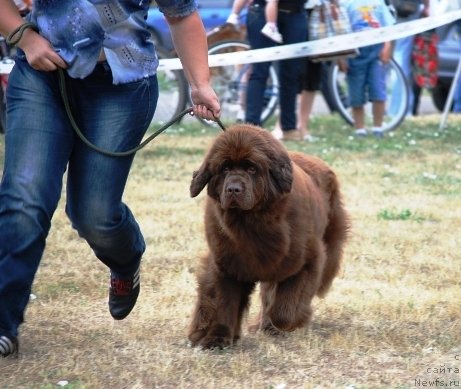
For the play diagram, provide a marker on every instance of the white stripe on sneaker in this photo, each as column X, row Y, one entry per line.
column 136, row 278
column 6, row 346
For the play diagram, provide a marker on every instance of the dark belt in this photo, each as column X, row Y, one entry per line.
column 295, row 8
column 287, row 8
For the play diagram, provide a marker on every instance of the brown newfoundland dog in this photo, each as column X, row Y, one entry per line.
column 271, row 217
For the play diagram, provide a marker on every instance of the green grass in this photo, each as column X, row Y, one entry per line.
column 392, row 314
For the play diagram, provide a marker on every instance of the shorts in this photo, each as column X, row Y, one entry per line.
column 366, row 77
column 311, row 77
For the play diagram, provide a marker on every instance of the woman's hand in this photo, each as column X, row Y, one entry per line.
column 39, row 53
column 205, row 103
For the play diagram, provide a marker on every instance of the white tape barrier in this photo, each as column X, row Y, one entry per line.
column 326, row 45
column 311, row 48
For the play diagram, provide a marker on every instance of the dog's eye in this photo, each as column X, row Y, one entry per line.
column 251, row 170
column 225, row 169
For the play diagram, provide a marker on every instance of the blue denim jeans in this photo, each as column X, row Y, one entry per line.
column 366, row 76
column 293, row 27
column 40, row 146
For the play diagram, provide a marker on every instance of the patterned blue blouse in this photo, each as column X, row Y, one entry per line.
column 79, row 29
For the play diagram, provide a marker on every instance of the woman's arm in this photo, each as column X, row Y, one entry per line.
column 38, row 50
column 190, row 42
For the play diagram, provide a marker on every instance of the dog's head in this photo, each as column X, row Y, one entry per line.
column 245, row 168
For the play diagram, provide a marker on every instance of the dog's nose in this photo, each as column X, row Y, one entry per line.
column 234, row 188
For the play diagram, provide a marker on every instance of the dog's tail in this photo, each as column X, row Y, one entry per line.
column 335, row 236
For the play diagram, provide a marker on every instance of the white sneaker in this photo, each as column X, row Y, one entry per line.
column 277, row 133
column 361, row 132
column 272, row 33
column 240, row 118
column 378, row 132
column 233, row 19
column 310, row 138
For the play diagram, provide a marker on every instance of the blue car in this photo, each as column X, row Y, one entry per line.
column 449, row 50
column 213, row 13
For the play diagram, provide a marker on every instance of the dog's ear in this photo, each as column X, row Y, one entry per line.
column 199, row 180
column 281, row 171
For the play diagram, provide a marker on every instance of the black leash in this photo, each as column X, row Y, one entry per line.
column 62, row 84
column 16, row 36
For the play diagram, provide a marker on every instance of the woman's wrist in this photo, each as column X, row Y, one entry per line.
column 17, row 34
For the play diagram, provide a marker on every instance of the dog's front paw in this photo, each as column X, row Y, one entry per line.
column 218, row 337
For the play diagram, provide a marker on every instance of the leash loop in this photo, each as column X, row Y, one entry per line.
column 16, row 35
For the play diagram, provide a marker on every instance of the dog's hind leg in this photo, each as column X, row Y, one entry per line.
column 334, row 239
column 262, row 323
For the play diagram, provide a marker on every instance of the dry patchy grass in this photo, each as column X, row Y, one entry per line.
column 392, row 318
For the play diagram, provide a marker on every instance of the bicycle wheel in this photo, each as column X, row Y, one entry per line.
column 173, row 91
column 230, row 83
column 337, row 85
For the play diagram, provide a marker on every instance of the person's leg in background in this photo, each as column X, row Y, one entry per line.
column 306, row 102
column 310, row 83
column 293, row 27
column 356, row 84
column 259, row 71
column 417, row 90
column 377, row 89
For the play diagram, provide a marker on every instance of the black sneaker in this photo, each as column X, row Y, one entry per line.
column 8, row 346
column 123, row 294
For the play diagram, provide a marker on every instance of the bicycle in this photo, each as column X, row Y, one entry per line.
column 337, row 85
column 230, row 83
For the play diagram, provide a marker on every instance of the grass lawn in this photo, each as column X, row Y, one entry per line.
column 391, row 320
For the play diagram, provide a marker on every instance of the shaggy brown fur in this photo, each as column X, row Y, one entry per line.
column 271, row 217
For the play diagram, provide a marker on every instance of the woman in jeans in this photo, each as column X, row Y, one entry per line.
column 110, row 65
column 292, row 25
